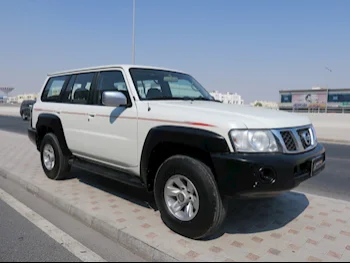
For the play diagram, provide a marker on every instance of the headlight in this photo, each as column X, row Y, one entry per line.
column 254, row 141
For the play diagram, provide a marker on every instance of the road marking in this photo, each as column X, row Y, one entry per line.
column 72, row 245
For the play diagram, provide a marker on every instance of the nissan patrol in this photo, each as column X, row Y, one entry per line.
column 160, row 129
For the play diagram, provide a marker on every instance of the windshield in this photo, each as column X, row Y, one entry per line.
column 152, row 84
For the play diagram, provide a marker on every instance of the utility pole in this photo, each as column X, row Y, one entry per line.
column 330, row 71
column 133, row 31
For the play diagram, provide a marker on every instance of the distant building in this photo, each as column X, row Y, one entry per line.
column 265, row 104
column 228, row 98
column 315, row 100
column 20, row 98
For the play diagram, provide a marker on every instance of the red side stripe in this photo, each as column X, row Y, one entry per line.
column 135, row 118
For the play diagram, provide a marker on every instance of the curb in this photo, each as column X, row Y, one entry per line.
column 131, row 243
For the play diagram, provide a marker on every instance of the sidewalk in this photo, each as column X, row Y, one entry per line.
column 293, row 227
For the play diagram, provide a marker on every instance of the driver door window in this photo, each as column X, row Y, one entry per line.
column 111, row 81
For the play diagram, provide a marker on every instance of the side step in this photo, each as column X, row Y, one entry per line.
column 107, row 172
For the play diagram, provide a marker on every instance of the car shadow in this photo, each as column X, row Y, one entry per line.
column 243, row 216
column 136, row 195
column 263, row 215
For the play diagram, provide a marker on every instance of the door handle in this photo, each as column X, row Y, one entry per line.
column 91, row 115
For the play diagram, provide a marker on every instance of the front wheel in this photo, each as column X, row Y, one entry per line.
column 188, row 198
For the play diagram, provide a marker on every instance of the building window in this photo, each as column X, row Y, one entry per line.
column 339, row 97
column 286, row 98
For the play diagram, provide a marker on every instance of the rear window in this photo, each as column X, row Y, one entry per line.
column 54, row 88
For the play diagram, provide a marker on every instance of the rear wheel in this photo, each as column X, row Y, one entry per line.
column 187, row 197
column 53, row 161
column 24, row 117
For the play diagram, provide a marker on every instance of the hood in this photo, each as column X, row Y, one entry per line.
column 235, row 116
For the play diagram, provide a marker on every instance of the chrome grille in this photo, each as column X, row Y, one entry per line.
column 305, row 137
column 296, row 140
column 288, row 141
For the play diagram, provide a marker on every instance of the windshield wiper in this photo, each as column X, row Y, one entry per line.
column 202, row 98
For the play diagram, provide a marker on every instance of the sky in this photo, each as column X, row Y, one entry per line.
column 251, row 47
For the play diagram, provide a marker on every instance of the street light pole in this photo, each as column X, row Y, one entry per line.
column 330, row 71
column 133, row 31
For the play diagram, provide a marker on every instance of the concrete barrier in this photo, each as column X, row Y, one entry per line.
column 9, row 110
column 330, row 127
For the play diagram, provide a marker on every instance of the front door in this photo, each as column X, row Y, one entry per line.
column 112, row 132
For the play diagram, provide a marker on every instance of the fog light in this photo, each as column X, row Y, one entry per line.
column 267, row 175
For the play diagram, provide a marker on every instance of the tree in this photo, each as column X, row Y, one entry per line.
column 258, row 104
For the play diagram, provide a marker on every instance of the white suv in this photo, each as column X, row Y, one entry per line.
column 160, row 129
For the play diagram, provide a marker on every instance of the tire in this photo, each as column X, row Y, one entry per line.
column 212, row 209
column 61, row 167
column 24, row 117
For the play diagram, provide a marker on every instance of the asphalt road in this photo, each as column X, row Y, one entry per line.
column 333, row 182
column 21, row 239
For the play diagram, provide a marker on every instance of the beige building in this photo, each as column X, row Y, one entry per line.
column 20, row 98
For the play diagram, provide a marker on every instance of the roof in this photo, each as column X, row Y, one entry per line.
column 106, row 67
column 313, row 90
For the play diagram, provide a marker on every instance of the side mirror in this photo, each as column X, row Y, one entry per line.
column 113, row 99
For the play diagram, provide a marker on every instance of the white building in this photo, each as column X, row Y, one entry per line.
column 228, row 98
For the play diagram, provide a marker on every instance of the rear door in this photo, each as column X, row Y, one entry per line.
column 76, row 101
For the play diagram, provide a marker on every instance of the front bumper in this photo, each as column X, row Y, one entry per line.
column 262, row 175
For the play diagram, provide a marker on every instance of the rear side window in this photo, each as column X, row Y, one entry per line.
column 79, row 91
column 53, row 88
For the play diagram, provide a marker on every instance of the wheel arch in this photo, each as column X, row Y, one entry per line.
column 164, row 141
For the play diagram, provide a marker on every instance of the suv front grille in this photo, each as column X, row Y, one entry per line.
column 305, row 137
column 288, row 141
column 296, row 140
